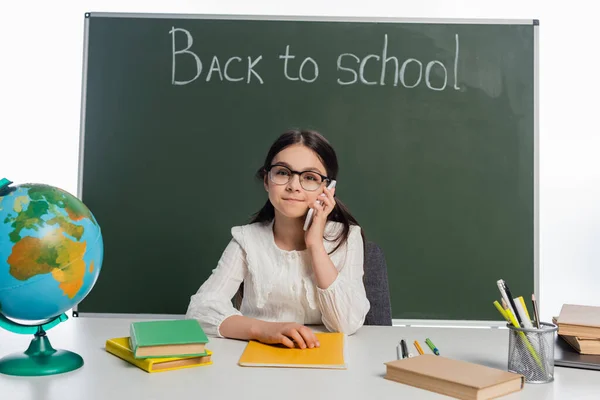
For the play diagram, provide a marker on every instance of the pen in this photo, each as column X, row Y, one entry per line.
column 398, row 355
column 432, row 347
column 505, row 303
column 513, row 306
column 418, row 346
column 404, row 349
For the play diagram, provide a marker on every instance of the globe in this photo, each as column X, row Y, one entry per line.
column 51, row 253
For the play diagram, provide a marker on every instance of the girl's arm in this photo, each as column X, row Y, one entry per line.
column 289, row 334
column 341, row 292
column 212, row 307
column 342, row 297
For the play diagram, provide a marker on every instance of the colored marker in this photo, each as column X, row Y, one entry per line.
column 432, row 347
column 524, row 307
column 404, row 348
column 418, row 346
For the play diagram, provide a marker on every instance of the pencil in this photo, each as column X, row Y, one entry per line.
column 536, row 312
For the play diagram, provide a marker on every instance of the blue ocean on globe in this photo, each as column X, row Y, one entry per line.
column 51, row 251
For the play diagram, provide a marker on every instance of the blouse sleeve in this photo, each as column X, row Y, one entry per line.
column 344, row 304
column 211, row 305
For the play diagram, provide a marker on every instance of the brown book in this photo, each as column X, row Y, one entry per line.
column 579, row 321
column 583, row 346
column 454, row 378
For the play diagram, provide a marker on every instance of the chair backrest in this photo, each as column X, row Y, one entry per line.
column 375, row 279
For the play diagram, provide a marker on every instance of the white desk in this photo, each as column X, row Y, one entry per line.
column 106, row 377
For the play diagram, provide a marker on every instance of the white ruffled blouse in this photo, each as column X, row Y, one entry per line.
column 280, row 285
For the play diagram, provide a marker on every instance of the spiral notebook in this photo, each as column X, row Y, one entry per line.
column 330, row 354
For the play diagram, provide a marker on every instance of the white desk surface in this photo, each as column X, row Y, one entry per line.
column 106, row 377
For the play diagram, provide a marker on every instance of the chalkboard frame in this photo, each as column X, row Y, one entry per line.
column 406, row 322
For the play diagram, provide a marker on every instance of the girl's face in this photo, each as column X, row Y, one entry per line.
column 291, row 199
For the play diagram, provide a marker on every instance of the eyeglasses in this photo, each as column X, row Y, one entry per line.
column 309, row 180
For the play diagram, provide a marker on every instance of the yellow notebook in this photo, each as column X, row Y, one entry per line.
column 120, row 348
column 330, row 354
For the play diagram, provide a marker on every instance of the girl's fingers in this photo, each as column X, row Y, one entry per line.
column 329, row 192
column 286, row 341
column 317, row 206
column 294, row 334
column 328, row 202
column 309, row 337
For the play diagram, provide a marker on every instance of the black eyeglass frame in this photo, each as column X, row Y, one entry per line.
column 299, row 173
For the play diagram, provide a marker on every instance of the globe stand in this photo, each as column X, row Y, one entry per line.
column 40, row 358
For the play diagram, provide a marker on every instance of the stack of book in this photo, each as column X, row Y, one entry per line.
column 165, row 345
column 580, row 327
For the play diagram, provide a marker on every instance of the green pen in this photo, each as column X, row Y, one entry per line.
column 432, row 347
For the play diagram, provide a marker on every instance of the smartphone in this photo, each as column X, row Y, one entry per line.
column 309, row 216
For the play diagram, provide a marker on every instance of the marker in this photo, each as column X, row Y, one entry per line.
column 520, row 299
column 419, row 349
column 404, row 349
column 432, row 347
column 398, row 355
column 525, row 322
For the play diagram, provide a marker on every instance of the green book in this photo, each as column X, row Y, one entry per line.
column 167, row 338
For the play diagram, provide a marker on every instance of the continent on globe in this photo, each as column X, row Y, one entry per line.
column 53, row 253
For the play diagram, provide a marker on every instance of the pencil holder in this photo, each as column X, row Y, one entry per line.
column 531, row 352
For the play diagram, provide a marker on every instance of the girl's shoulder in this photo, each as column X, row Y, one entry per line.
column 253, row 233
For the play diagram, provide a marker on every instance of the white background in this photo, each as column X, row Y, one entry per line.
column 41, row 46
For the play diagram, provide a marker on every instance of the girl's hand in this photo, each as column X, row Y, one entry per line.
column 314, row 235
column 290, row 334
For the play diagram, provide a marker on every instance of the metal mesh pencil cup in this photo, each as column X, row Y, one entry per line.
column 531, row 352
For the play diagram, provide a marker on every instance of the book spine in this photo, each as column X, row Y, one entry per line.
column 126, row 355
column 133, row 343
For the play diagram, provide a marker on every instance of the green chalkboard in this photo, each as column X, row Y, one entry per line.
column 437, row 148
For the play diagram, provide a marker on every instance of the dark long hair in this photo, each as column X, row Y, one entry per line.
column 316, row 142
